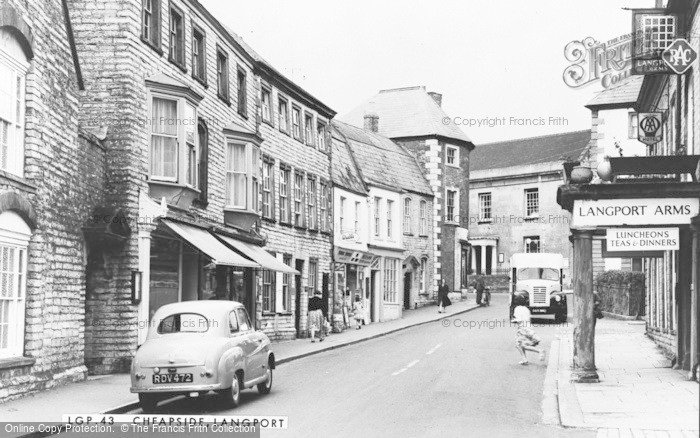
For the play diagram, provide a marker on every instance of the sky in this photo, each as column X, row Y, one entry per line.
column 489, row 59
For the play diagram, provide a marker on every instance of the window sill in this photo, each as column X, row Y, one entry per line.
column 425, row 236
column 285, row 132
column 268, row 219
column 179, row 65
column 18, row 180
column 286, row 224
column 201, row 81
column 452, row 223
column 300, row 227
column 152, row 45
column 407, row 234
column 224, row 99
column 454, row 166
column 243, row 114
column 268, row 122
column 531, row 218
column 16, row 362
column 484, row 221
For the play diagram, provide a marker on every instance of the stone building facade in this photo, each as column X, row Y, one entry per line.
column 384, row 238
column 51, row 176
column 195, row 155
column 414, row 119
column 513, row 189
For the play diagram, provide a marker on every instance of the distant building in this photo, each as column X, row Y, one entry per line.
column 415, row 119
column 513, row 206
column 383, row 237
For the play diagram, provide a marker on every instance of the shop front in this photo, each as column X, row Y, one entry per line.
column 189, row 262
column 353, row 277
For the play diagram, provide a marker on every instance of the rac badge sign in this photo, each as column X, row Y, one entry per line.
column 679, row 56
column 645, row 211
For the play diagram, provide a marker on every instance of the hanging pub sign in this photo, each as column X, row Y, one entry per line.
column 649, row 128
column 653, row 31
column 644, row 211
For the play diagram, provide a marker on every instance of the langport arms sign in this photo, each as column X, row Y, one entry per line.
column 645, row 211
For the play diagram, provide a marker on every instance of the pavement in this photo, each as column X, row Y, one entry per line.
column 110, row 394
column 639, row 394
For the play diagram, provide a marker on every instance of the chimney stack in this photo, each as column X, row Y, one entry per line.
column 437, row 97
column 372, row 122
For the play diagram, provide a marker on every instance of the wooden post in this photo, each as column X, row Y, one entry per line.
column 695, row 295
column 584, row 321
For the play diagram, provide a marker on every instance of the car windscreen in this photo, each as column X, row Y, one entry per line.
column 183, row 323
column 538, row 274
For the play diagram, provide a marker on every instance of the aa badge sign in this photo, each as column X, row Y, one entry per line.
column 649, row 128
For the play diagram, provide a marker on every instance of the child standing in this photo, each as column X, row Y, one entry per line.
column 359, row 312
column 525, row 337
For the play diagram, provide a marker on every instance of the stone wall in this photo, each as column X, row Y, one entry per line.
column 62, row 182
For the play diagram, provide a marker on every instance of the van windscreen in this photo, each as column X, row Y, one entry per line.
column 538, row 274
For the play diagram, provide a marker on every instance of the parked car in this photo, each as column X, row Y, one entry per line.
column 195, row 347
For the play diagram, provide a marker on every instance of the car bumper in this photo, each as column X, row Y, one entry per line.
column 178, row 388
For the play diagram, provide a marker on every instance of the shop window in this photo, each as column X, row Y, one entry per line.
column 268, row 292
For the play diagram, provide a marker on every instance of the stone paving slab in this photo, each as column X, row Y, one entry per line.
column 637, row 395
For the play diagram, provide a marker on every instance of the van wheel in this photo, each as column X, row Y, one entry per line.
column 148, row 403
column 266, row 386
column 232, row 395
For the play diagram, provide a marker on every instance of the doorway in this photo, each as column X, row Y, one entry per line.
column 373, row 296
column 299, row 266
column 407, row 289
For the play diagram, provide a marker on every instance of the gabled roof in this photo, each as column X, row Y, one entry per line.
column 383, row 163
column 344, row 172
column 533, row 150
column 407, row 112
column 621, row 95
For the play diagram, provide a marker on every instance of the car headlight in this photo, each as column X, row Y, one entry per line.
column 156, row 370
column 557, row 298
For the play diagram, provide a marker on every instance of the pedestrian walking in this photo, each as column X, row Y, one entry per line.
column 317, row 316
column 443, row 299
column 359, row 312
column 525, row 337
column 479, row 286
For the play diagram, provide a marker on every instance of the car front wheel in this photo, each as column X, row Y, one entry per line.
column 266, row 386
column 232, row 395
column 148, row 403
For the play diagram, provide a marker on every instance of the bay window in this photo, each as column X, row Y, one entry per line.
column 13, row 69
column 174, row 153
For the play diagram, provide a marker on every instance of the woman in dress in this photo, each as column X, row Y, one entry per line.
column 317, row 312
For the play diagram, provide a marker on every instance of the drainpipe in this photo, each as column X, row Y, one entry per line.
column 73, row 49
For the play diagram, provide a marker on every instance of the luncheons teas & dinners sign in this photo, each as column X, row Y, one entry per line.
column 642, row 239
column 645, row 211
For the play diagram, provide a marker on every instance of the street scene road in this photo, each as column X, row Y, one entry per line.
column 455, row 377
